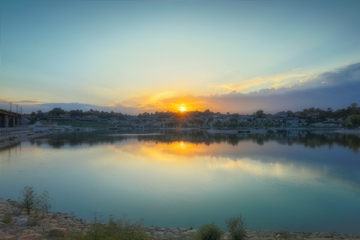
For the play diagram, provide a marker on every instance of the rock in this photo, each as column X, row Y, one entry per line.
column 57, row 232
column 169, row 235
column 174, row 230
column 158, row 234
column 30, row 236
column 6, row 236
column 53, row 221
column 22, row 221
column 191, row 232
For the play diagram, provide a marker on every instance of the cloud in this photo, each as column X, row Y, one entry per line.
column 273, row 81
column 337, row 89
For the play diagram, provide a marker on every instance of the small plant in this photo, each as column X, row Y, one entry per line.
column 72, row 214
column 7, row 218
column 209, row 232
column 29, row 199
column 120, row 230
column 35, row 221
column 44, row 202
column 237, row 228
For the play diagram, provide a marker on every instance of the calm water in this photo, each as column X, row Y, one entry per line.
column 290, row 181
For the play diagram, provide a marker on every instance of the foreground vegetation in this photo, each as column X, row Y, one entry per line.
column 34, row 204
column 15, row 225
column 123, row 230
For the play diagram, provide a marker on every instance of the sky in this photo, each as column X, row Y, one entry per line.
column 137, row 56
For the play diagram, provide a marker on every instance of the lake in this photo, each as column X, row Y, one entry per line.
column 295, row 181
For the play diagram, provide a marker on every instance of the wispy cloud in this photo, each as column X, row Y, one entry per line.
column 337, row 89
column 274, row 82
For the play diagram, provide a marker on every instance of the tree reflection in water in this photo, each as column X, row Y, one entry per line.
column 305, row 138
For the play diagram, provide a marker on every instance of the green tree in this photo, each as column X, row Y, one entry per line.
column 44, row 202
column 199, row 121
column 217, row 124
column 28, row 199
column 233, row 122
column 354, row 121
column 354, row 105
column 56, row 112
column 259, row 114
column 290, row 113
column 40, row 114
column 209, row 232
column 237, row 228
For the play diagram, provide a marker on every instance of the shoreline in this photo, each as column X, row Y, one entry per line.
column 15, row 138
column 62, row 224
column 348, row 131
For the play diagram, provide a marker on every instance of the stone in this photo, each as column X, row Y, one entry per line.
column 22, row 221
column 6, row 236
column 169, row 235
column 191, row 232
column 158, row 234
column 30, row 236
column 53, row 221
column 57, row 232
column 174, row 230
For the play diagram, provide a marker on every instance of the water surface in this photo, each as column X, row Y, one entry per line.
column 296, row 181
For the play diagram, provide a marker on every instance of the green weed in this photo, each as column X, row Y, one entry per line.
column 237, row 228
column 7, row 218
column 119, row 230
column 31, row 201
column 209, row 232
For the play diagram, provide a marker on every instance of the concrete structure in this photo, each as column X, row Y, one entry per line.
column 9, row 119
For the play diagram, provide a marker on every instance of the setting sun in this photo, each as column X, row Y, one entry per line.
column 182, row 109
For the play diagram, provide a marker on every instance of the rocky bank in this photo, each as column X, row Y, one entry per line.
column 20, row 225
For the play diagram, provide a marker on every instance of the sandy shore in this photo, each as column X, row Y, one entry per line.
column 15, row 138
column 21, row 226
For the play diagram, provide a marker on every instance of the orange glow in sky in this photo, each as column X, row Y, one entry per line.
column 182, row 109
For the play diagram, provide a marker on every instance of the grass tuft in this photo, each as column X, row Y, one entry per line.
column 209, row 232
column 237, row 228
column 119, row 230
column 7, row 218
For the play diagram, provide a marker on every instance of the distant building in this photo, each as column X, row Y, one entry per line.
column 292, row 123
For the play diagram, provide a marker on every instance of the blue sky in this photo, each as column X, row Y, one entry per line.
column 135, row 56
